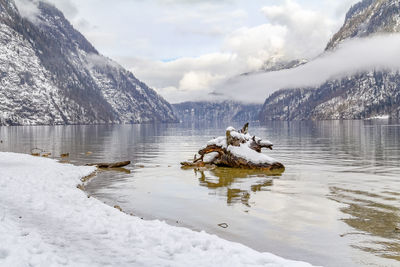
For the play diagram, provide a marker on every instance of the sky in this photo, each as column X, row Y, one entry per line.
column 187, row 49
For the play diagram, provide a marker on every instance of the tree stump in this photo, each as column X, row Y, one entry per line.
column 237, row 149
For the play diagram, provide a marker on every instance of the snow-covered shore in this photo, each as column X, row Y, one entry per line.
column 46, row 221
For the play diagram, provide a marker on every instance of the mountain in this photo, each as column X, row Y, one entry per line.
column 368, row 17
column 282, row 64
column 50, row 74
column 227, row 111
column 359, row 96
column 277, row 64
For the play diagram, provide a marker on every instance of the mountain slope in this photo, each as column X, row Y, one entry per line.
column 359, row 96
column 369, row 17
column 50, row 74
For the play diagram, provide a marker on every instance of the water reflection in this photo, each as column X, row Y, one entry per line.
column 374, row 215
column 105, row 142
column 121, row 170
column 337, row 204
column 236, row 185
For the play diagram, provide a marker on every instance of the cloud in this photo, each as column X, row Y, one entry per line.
column 206, row 19
column 290, row 32
column 341, row 7
column 185, row 78
column 28, row 9
column 189, row 2
column 97, row 61
column 198, row 80
column 307, row 31
column 209, row 77
column 351, row 57
column 66, row 6
column 255, row 45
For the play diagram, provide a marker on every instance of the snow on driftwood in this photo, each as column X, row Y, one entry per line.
column 237, row 149
column 46, row 221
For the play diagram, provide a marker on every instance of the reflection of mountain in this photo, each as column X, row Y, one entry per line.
column 107, row 143
column 370, row 143
column 372, row 214
column 236, row 184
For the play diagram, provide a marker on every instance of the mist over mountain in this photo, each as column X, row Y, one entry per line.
column 51, row 74
column 226, row 111
column 369, row 90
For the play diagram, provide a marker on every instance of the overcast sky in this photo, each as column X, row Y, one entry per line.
column 187, row 48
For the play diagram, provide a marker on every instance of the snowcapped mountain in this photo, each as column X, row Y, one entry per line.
column 368, row 17
column 227, row 111
column 50, row 74
column 282, row 64
column 366, row 94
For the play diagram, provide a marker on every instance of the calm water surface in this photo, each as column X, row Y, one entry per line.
column 337, row 204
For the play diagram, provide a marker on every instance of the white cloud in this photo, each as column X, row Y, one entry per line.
column 290, row 32
column 253, row 46
column 198, row 80
column 188, row 2
column 341, row 7
column 307, row 31
column 352, row 57
column 97, row 61
column 185, row 78
column 28, row 9
column 207, row 19
column 66, row 6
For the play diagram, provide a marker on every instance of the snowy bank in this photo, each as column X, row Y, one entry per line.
column 46, row 221
column 379, row 117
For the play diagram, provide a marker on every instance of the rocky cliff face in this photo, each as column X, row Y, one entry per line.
column 227, row 111
column 358, row 96
column 369, row 17
column 50, row 74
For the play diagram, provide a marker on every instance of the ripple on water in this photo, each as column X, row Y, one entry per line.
column 337, row 204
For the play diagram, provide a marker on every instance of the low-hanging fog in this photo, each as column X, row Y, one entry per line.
column 354, row 56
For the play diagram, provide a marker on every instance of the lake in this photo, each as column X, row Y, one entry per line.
column 337, row 203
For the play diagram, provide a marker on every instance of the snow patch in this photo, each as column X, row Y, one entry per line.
column 219, row 141
column 265, row 143
column 49, row 222
column 379, row 117
column 238, row 135
column 245, row 152
column 210, row 157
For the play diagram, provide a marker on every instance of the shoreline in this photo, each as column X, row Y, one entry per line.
column 47, row 221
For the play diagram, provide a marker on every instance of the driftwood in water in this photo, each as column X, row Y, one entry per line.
column 237, row 149
column 38, row 152
column 110, row 165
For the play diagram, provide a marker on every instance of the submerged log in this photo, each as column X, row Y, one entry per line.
column 237, row 149
column 110, row 165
